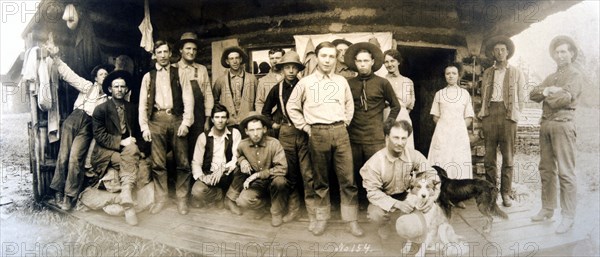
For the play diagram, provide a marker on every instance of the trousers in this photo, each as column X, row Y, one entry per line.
column 499, row 132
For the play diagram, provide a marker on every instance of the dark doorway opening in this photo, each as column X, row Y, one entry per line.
column 424, row 65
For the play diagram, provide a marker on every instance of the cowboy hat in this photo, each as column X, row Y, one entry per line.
column 562, row 39
column 351, row 52
column 254, row 115
column 187, row 37
column 232, row 49
column 341, row 41
column 290, row 57
column 125, row 75
column 491, row 42
column 412, row 227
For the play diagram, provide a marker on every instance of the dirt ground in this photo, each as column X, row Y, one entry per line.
column 29, row 228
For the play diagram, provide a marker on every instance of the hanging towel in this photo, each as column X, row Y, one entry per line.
column 29, row 70
column 146, row 29
column 53, row 113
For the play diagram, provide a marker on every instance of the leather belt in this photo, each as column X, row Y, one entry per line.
column 167, row 111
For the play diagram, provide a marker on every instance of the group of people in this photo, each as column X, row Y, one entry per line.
column 242, row 143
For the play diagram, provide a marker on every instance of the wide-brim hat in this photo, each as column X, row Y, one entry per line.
column 232, row 49
column 341, row 41
column 412, row 227
column 107, row 67
column 123, row 74
column 351, row 52
column 562, row 39
column 187, row 37
column 291, row 57
column 491, row 42
column 252, row 116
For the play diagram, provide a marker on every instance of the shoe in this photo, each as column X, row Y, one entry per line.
column 293, row 208
column 58, row 198
column 461, row 205
column 232, row 206
column 157, row 207
column 219, row 205
column 276, row 220
column 131, row 217
column 355, row 229
column 384, row 232
column 182, row 207
column 543, row 214
column 565, row 225
column 320, row 226
column 67, row 203
column 506, row 200
column 291, row 216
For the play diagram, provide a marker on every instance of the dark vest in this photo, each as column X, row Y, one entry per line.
column 208, row 152
column 176, row 92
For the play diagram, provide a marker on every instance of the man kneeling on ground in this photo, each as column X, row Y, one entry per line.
column 215, row 158
column 387, row 174
column 262, row 169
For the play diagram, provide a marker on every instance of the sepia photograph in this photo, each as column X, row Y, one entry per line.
column 300, row 128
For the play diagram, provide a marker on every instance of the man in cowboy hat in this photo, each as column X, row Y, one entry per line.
column 341, row 68
column 236, row 89
column 322, row 107
column 262, row 170
column 370, row 93
column 166, row 113
column 214, row 161
column 293, row 140
column 119, row 142
column 271, row 79
column 559, row 93
column 197, row 75
column 76, row 131
column 503, row 98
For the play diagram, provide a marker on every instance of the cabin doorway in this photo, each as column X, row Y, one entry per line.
column 424, row 65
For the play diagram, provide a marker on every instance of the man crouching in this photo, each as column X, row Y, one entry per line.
column 263, row 167
column 118, row 138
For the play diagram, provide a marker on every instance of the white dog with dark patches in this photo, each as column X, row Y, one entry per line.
column 431, row 225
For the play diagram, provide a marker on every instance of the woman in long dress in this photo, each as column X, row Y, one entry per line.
column 452, row 112
column 403, row 87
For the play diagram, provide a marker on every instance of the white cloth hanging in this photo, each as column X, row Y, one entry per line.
column 146, row 29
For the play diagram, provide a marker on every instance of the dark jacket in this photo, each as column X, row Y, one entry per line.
column 107, row 131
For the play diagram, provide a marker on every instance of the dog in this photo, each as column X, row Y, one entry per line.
column 453, row 191
column 438, row 230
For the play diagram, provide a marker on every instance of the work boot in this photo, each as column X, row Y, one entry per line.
column 320, row 226
column 506, row 200
column 67, row 203
column 232, row 207
column 58, row 198
column 131, row 217
column 565, row 225
column 126, row 198
column 182, row 206
column 355, row 229
column 258, row 214
column 157, row 207
column 293, row 208
column 276, row 220
column 543, row 214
